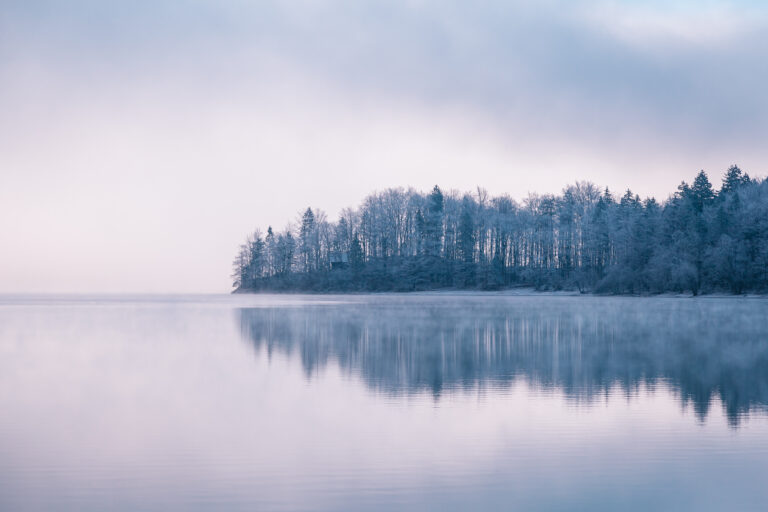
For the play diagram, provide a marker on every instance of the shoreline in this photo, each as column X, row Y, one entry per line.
column 509, row 292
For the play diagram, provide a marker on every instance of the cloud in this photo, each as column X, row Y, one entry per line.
column 657, row 25
column 691, row 72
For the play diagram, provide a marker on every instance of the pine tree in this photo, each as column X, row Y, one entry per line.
column 702, row 191
column 733, row 179
column 356, row 258
column 306, row 236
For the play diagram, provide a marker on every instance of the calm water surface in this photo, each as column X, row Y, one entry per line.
column 387, row 402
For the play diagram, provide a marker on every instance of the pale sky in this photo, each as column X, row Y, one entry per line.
column 141, row 141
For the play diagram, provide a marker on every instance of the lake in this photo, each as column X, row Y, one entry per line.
column 383, row 402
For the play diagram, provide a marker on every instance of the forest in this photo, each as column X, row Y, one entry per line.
column 698, row 240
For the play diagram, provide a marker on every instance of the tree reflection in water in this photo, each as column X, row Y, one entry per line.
column 582, row 346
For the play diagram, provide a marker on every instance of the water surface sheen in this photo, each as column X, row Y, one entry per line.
column 382, row 402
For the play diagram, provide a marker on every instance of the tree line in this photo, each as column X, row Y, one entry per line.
column 699, row 240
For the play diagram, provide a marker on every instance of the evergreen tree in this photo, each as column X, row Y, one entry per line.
column 356, row 258
column 306, row 239
column 733, row 179
column 434, row 222
column 701, row 192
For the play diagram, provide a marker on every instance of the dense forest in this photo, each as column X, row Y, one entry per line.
column 699, row 240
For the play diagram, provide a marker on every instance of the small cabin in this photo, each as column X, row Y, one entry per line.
column 339, row 260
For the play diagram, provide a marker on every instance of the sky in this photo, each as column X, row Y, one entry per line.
column 141, row 141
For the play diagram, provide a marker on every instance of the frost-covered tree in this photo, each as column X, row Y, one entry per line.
column 698, row 240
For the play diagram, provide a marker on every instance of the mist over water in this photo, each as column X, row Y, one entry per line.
column 702, row 350
column 375, row 402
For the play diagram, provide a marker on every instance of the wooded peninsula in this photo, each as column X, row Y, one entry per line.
column 698, row 240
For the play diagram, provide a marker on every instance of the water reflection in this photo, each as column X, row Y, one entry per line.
column 701, row 349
